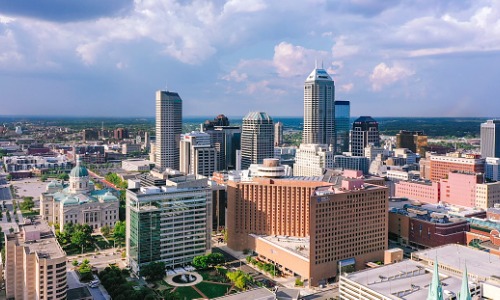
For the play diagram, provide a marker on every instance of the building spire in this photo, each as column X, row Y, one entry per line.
column 435, row 288
column 464, row 293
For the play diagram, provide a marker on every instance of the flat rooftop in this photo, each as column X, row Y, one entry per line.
column 407, row 280
column 479, row 263
column 46, row 246
column 297, row 245
column 255, row 294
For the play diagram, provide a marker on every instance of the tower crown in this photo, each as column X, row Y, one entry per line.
column 319, row 75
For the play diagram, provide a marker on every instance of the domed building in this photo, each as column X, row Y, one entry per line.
column 78, row 202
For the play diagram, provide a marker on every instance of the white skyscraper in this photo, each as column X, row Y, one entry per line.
column 319, row 109
column 197, row 155
column 168, row 129
column 490, row 139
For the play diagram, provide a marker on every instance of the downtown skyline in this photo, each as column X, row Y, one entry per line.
column 388, row 58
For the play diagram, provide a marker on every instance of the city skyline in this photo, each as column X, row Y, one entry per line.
column 238, row 55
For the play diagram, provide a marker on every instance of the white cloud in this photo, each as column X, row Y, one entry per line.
column 291, row 60
column 6, row 20
column 234, row 75
column 240, row 6
column 342, row 49
column 384, row 75
column 347, row 87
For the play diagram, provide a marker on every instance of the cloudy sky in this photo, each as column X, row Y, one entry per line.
column 389, row 58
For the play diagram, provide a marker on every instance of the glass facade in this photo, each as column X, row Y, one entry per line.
column 172, row 226
column 342, row 125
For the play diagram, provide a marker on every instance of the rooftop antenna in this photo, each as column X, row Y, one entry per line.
column 322, row 64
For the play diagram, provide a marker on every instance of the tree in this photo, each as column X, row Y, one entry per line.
column 8, row 177
column 27, row 203
column 153, row 271
column 11, row 230
column 82, row 236
column 75, row 263
column 200, row 262
column 44, row 178
column 239, row 279
column 105, row 230
column 63, row 176
column 215, row 259
column 119, row 230
column 85, row 270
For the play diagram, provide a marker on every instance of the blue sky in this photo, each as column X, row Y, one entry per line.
column 389, row 58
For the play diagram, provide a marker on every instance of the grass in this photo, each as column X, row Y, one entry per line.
column 212, row 290
column 188, row 292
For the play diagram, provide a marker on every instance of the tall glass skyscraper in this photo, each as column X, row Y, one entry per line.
column 342, row 125
column 490, row 139
column 168, row 129
column 319, row 109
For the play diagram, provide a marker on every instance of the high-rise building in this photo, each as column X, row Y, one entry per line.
column 305, row 225
column 312, row 160
column 278, row 134
column 120, row 133
column 492, row 168
column 257, row 138
column 172, row 223
column 490, row 139
column 319, row 109
column 197, row 155
column 416, row 141
column 168, row 129
column 342, row 125
column 35, row 264
column 225, row 139
column 364, row 132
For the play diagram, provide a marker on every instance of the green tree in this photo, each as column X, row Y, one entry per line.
column 75, row 263
column 8, row 177
column 119, row 231
column 27, row 203
column 239, row 279
column 44, row 178
column 85, row 270
column 215, row 259
column 82, row 236
column 105, row 230
column 63, row 176
column 153, row 271
column 200, row 262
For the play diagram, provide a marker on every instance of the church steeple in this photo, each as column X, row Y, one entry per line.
column 435, row 288
column 464, row 291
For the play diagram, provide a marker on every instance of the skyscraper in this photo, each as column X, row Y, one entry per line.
column 197, row 155
column 225, row 139
column 257, row 138
column 342, row 125
column 319, row 109
column 168, row 129
column 490, row 139
column 416, row 141
column 364, row 132
column 278, row 133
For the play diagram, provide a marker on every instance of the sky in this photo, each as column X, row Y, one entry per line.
column 420, row 58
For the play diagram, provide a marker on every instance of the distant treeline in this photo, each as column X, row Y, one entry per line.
column 433, row 127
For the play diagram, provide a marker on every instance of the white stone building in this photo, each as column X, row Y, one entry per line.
column 312, row 160
column 78, row 202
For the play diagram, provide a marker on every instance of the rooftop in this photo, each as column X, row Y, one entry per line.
column 297, row 245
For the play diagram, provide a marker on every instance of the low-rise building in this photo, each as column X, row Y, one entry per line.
column 78, row 202
column 445, row 271
column 137, row 165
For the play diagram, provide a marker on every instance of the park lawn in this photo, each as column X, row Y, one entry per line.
column 188, row 292
column 212, row 290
